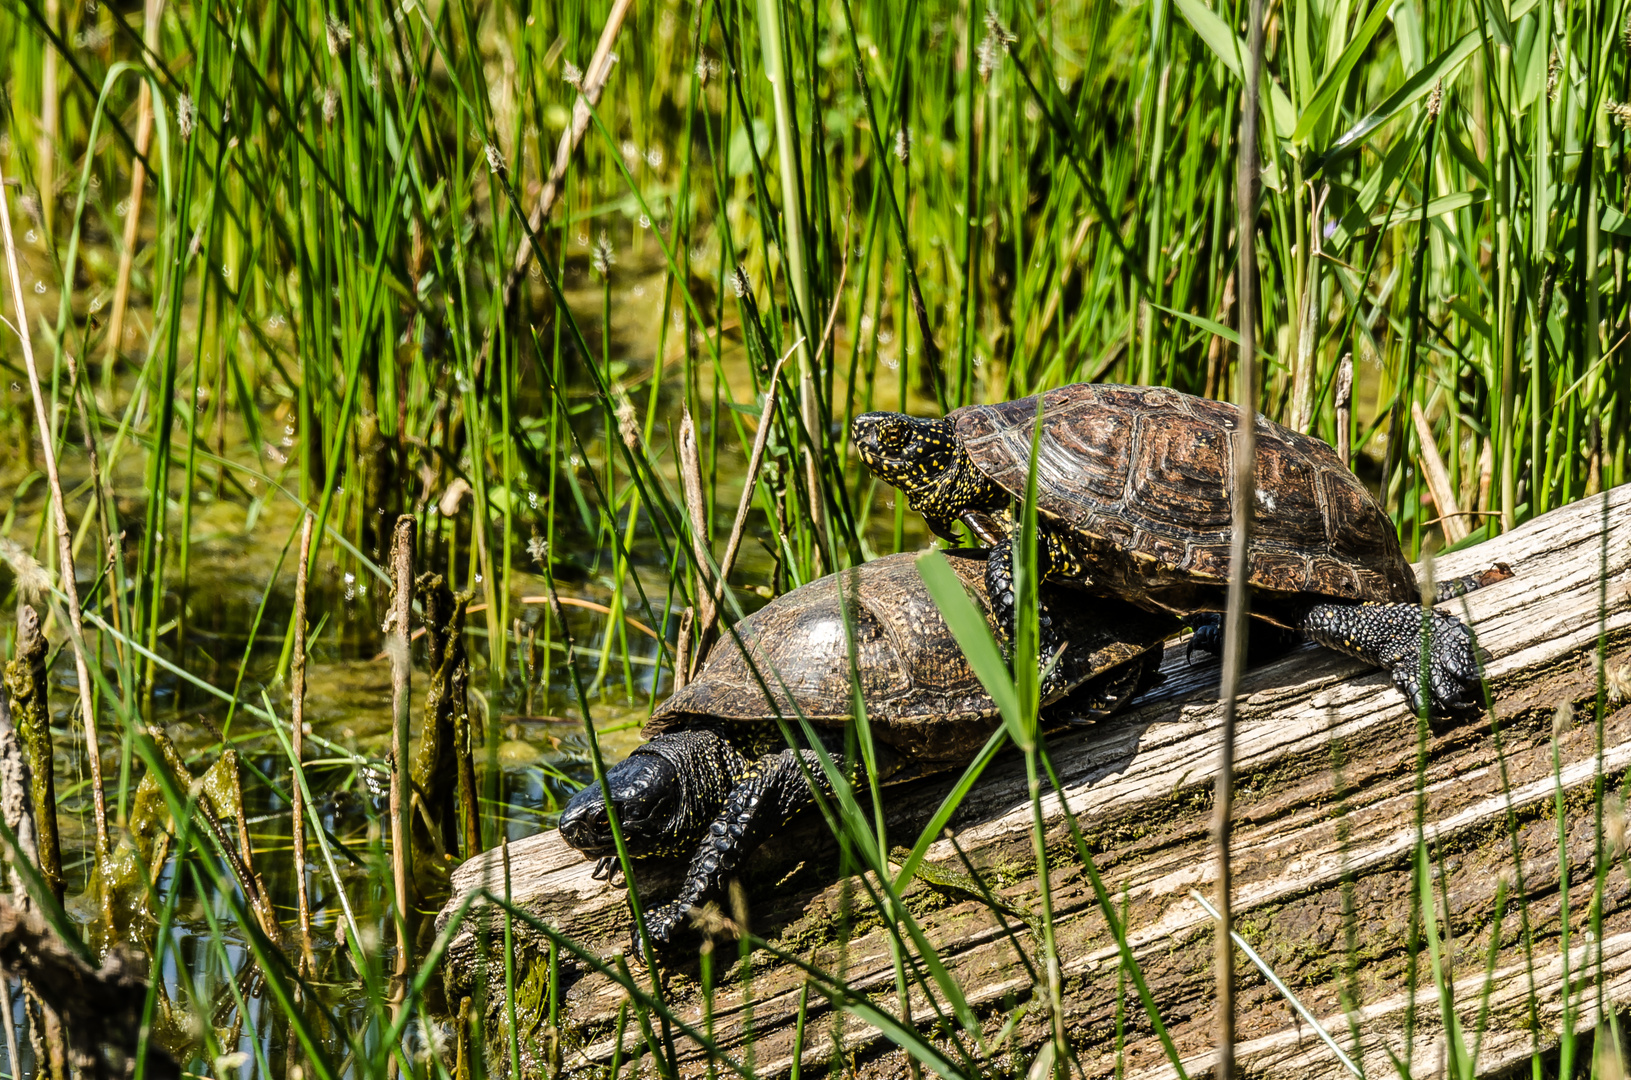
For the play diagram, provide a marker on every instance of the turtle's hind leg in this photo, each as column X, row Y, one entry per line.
column 771, row 794
column 1391, row 636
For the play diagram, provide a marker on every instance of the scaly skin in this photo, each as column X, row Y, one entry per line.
column 925, row 461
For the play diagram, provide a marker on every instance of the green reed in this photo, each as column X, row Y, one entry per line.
column 983, row 204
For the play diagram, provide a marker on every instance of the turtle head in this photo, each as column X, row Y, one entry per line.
column 926, row 461
column 912, row 453
column 647, row 794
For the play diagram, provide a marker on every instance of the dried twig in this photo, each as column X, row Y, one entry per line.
column 751, row 478
column 59, row 520
column 396, row 641
column 589, row 88
column 1437, row 476
column 1344, row 406
column 1241, row 504
column 691, row 477
column 297, row 713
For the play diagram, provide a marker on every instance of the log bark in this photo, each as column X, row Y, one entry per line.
column 1330, row 771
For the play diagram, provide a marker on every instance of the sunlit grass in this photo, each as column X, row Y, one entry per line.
column 982, row 204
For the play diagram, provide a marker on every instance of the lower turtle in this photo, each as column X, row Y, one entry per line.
column 716, row 777
column 1134, row 488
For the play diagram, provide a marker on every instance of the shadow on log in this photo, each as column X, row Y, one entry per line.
column 1330, row 770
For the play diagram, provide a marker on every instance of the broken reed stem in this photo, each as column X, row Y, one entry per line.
column 756, row 460
column 691, row 477
column 297, row 713
column 65, row 553
column 749, row 481
column 396, row 643
column 1243, row 497
column 133, row 205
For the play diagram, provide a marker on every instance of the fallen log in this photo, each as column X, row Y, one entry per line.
column 1333, row 774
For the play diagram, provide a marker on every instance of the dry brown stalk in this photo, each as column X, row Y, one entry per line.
column 297, row 715
column 1438, row 479
column 594, row 80
column 691, row 477
column 1344, row 406
column 59, row 521
column 1241, row 505
column 396, row 642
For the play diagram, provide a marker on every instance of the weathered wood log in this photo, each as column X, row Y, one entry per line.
column 1331, row 768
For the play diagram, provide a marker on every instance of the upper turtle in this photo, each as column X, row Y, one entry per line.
column 1141, row 477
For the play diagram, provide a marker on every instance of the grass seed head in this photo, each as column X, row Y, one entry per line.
column 573, row 75
column 331, row 104
column 603, row 257
column 1562, row 719
column 495, row 158
column 628, row 423
column 185, row 114
column 1619, row 684
column 1435, row 100
column 994, row 46
column 338, row 34
column 1620, row 111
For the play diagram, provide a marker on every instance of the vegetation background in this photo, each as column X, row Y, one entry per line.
column 268, row 261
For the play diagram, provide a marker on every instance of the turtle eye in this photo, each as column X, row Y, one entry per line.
column 893, row 436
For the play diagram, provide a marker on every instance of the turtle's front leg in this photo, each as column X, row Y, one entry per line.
column 769, row 796
column 1055, row 562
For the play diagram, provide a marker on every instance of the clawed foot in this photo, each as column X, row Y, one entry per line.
column 609, row 870
column 662, row 927
column 1452, row 668
column 1208, row 636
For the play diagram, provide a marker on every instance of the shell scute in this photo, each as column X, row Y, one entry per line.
column 1176, row 484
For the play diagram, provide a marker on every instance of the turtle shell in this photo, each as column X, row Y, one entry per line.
column 922, row 697
column 1141, row 475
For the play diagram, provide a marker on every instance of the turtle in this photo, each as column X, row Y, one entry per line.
column 716, row 777
column 1134, row 501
